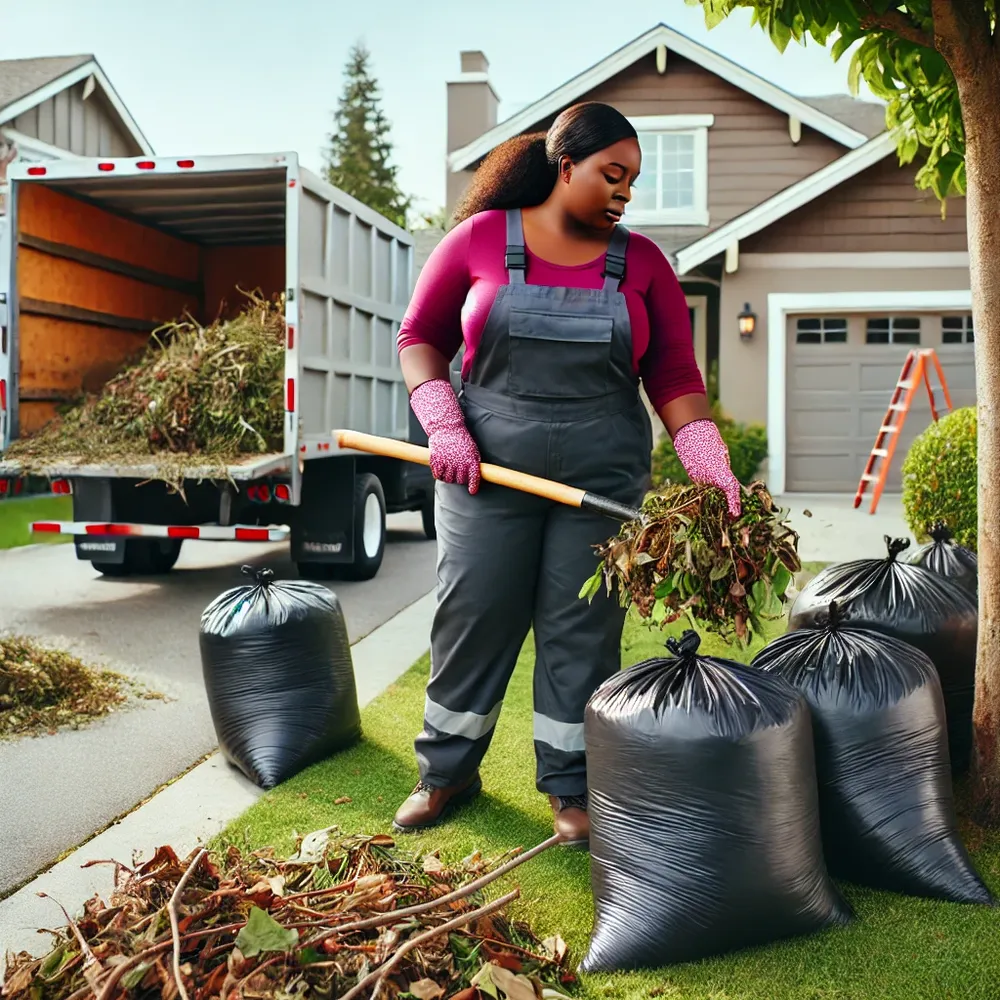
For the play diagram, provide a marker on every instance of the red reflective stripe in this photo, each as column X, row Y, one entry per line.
column 146, row 165
column 4, row 486
column 3, row 394
column 47, row 526
column 36, row 171
column 105, row 166
column 290, row 402
column 181, row 531
column 108, row 529
column 186, row 164
column 252, row 534
column 291, row 337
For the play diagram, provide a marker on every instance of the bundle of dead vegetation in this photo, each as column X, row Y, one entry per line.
column 44, row 689
column 357, row 920
column 195, row 396
column 687, row 557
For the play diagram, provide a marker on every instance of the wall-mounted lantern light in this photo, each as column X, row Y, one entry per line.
column 748, row 322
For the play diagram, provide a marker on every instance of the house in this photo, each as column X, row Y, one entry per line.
column 791, row 211
column 62, row 106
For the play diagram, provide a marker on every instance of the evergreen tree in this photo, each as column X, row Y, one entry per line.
column 358, row 151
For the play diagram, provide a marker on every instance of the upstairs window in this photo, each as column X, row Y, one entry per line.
column 672, row 189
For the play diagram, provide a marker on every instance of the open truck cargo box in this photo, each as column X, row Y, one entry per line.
column 99, row 253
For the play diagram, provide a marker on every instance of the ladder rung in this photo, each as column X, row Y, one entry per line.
column 888, row 430
column 904, row 385
column 869, row 479
column 881, row 452
column 897, row 406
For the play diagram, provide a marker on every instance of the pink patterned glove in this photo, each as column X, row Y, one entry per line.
column 705, row 458
column 454, row 454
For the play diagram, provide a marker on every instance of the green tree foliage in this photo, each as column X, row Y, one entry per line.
column 359, row 149
column 898, row 60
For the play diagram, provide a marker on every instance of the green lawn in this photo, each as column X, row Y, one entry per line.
column 16, row 517
column 898, row 949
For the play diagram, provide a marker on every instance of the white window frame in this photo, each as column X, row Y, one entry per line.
column 696, row 126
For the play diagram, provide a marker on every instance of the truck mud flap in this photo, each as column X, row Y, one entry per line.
column 323, row 530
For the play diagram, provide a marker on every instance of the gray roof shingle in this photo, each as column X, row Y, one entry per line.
column 21, row 77
column 865, row 117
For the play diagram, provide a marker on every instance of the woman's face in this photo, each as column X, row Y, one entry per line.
column 599, row 187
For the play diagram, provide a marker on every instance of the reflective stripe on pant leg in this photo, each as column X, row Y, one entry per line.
column 578, row 646
column 488, row 552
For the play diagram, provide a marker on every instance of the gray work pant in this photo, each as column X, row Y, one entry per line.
column 507, row 561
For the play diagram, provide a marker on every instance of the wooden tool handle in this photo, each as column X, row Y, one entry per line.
column 497, row 474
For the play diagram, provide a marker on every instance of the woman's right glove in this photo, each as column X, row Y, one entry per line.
column 454, row 454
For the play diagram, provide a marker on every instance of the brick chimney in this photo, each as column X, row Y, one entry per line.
column 472, row 110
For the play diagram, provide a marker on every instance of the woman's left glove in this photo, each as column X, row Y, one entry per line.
column 705, row 458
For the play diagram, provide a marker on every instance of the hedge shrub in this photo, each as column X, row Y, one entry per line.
column 939, row 478
column 747, row 445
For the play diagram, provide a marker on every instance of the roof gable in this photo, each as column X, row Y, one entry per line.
column 785, row 202
column 26, row 83
column 808, row 112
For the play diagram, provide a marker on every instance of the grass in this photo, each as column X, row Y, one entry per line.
column 16, row 517
column 898, row 949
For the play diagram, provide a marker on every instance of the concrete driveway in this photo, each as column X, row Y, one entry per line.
column 56, row 791
column 836, row 532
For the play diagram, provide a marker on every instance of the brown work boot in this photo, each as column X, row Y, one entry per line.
column 427, row 806
column 572, row 823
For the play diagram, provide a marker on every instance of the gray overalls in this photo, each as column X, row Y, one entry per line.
column 551, row 393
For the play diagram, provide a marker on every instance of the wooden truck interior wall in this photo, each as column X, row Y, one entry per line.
column 92, row 285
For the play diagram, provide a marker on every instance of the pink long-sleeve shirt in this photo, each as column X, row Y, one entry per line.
column 458, row 284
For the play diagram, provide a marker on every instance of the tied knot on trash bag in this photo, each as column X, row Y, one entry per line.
column 262, row 577
column 686, row 646
column 896, row 546
column 940, row 532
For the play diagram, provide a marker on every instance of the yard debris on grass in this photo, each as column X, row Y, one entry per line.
column 686, row 556
column 44, row 689
column 351, row 918
column 196, row 396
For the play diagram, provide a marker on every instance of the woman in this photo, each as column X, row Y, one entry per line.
column 561, row 312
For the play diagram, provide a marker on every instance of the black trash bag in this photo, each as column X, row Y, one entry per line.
column 885, row 792
column 914, row 605
column 279, row 676
column 947, row 558
column 704, row 815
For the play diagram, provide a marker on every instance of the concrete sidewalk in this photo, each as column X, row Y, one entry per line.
column 195, row 807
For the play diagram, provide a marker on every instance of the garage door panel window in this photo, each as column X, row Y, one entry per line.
column 893, row 330
column 957, row 329
column 821, row 330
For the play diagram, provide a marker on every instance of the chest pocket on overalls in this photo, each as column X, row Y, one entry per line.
column 558, row 354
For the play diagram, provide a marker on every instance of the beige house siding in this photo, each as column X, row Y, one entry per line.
column 750, row 153
column 879, row 210
column 743, row 367
column 85, row 127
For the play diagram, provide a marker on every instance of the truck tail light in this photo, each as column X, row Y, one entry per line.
column 282, row 493
column 61, row 487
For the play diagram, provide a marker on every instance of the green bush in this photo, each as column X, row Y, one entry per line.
column 747, row 444
column 939, row 478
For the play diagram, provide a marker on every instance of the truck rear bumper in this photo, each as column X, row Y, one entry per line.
column 201, row 532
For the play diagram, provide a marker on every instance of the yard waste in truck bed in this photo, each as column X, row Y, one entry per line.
column 104, row 252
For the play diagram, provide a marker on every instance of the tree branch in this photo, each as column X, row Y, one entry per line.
column 962, row 33
column 895, row 21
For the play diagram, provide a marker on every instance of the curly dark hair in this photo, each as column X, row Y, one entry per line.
column 522, row 171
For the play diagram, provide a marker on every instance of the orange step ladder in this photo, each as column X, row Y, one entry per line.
column 915, row 371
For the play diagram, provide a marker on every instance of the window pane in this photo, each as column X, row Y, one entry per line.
column 906, row 323
column 906, row 338
column 644, row 193
column 809, row 324
column 835, row 336
column 808, row 337
column 951, row 337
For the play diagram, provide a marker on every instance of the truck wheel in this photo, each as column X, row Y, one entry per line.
column 369, row 528
column 427, row 516
column 144, row 557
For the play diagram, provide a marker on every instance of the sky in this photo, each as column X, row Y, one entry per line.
column 252, row 76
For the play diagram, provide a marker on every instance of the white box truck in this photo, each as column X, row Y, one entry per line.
column 96, row 253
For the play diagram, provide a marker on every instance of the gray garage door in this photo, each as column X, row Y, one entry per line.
column 841, row 374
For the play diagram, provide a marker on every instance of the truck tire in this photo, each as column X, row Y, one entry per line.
column 427, row 516
column 369, row 528
column 144, row 557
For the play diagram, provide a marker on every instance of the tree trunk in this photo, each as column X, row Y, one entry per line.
column 979, row 92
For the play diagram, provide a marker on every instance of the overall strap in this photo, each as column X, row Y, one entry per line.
column 614, row 261
column 515, row 259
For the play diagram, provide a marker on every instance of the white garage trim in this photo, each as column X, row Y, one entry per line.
column 780, row 304
column 897, row 260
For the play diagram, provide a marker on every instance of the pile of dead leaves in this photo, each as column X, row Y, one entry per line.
column 43, row 689
column 686, row 556
column 351, row 919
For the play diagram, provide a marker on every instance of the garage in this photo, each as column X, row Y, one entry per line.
column 841, row 372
